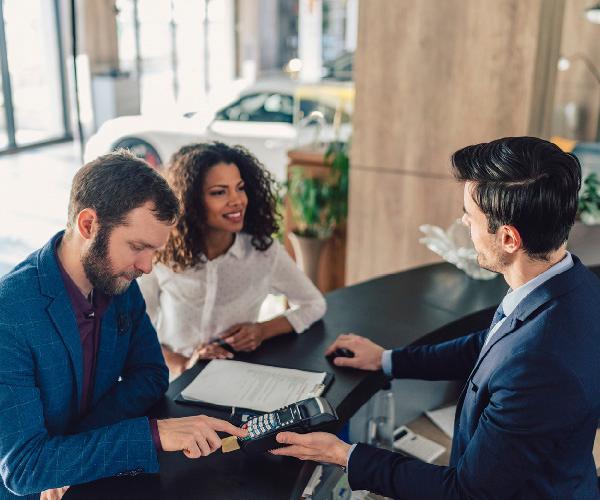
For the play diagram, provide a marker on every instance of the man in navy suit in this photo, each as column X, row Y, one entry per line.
column 528, row 413
column 80, row 362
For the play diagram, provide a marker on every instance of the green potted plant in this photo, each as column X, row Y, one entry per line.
column 584, row 239
column 589, row 200
column 318, row 206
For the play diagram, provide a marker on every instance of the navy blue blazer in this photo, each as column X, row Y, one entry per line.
column 527, row 416
column 44, row 443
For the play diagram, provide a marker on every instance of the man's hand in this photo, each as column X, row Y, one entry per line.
column 367, row 354
column 208, row 351
column 54, row 493
column 195, row 436
column 245, row 336
column 316, row 446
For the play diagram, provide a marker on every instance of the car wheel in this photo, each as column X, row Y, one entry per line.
column 141, row 149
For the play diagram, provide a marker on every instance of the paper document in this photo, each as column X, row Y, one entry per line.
column 444, row 419
column 255, row 387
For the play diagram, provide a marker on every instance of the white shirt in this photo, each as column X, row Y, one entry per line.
column 197, row 305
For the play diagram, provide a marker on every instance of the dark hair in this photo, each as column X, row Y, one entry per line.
column 116, row 183
column 187, row 171
column 525, row 182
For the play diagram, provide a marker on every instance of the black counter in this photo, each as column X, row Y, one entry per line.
column 424, row 305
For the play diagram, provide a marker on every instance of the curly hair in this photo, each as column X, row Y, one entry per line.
column 186, row 173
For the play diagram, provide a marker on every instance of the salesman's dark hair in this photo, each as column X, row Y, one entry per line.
column 116, row 183
column 525, row 182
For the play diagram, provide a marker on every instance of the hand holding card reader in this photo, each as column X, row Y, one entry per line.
column 302, row 417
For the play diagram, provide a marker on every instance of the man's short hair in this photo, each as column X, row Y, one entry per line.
column 525, row 182
column 116, row 183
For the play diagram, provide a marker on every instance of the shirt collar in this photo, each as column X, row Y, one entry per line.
column 237, row 249
column 514, row 297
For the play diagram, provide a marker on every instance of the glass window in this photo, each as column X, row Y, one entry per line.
column 3, row 131
column 34, row 68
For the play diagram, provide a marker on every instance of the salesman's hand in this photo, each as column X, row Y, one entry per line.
column 54, row 493
column 317, row 446
column 196, row 436
column 245, row 336
column 367, row 354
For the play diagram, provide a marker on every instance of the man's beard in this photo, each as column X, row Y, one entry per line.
column 98, row 267
column 494, row 260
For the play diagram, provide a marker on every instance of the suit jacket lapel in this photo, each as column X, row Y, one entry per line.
column 106, row 349
column 61, row 314
column 558, row 285
column 507, row 327
column 60, row 309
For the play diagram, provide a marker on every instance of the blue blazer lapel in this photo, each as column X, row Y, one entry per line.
column 554, row 287
column 60, row 309
column 106, row 349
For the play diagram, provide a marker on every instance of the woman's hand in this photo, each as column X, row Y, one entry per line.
column 244, row 336
column 177, row 363
column 54, row 493
column 208, row 351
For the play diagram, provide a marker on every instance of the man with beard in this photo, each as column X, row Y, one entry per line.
column 527, row 415
column 80, row 362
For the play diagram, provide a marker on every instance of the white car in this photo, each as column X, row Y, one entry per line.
column 269, row 119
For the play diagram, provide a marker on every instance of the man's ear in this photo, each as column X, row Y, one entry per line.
column 510, row 239
column 87, row 222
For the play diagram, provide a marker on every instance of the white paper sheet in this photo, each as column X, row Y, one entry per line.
column 256, row 387
column 444, row 419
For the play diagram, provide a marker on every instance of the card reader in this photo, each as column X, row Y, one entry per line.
column 304, row 416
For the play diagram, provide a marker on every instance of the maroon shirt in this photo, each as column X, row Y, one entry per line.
column 88, row 313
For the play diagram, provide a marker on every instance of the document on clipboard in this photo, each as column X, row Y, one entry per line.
column 251, row 386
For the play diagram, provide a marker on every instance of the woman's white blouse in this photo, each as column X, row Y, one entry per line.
column 197, row 305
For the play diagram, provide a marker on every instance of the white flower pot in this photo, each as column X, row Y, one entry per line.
column 307, row 252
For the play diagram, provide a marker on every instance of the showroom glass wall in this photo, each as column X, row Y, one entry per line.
column 188, row 54
column 181, row 50
column 34, row 102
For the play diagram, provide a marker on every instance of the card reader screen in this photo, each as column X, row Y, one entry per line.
column 285, row 415
column 309, row 408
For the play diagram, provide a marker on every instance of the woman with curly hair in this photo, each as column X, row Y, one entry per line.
column 221, row 261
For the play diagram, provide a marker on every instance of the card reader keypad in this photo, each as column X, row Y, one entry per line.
column 270, row 422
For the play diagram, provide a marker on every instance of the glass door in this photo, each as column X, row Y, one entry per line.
column 33, row 81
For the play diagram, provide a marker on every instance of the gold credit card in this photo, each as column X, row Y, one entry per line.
column 230, row 444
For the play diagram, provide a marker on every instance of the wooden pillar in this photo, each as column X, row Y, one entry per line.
column 432, row 77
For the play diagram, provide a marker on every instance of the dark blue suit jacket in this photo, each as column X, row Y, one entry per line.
column 44, row 443
column 528, row 414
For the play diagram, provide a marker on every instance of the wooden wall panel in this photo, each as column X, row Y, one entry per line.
column 440, row 75
column 387, row 211
column 432, row 77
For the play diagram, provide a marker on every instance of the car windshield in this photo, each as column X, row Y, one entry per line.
column 260, row 107
column 307, row 106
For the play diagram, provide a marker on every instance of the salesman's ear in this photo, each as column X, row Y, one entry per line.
column 87, row 222
column 510, row 239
